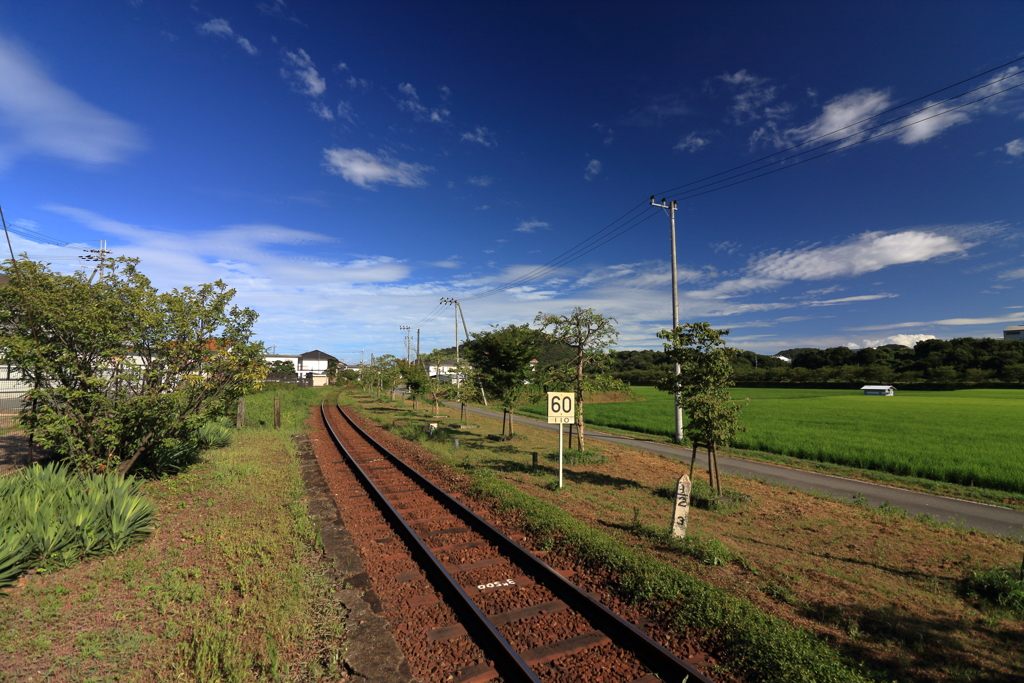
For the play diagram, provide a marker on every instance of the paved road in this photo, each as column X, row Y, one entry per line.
column 990, row 518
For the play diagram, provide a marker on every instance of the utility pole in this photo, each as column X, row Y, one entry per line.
column 406, row 328
column 102, row 251
column 417, row 345
column 671, row 208
column 458, row 312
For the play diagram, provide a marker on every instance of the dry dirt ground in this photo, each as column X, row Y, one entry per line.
column 884, row 587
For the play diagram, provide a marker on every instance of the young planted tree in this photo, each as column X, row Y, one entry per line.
column 703, row 388
column 388, row 374
column 502, row 358
column 117, row 367
column 588, row 334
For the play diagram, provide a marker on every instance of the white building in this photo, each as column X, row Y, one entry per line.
column 878, row 390
column 1014, row 332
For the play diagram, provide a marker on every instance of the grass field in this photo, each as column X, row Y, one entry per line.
column 969, row 437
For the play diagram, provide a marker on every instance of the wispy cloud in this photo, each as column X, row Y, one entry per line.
column 40, row 117
column 480, row 181
column 865, row 253
column 847, row 115
column 1015, row 147
column 221, row 27
column 419, row 111
column 364, row 169
column 848, row 300
column 691, row 143
column 956, row 322
column 593, row 168
column 531, row 226
column 655, row 113
column 481, row 136
column 300, row 71
column 752, row 93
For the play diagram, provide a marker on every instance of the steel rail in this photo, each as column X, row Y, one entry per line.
column 652, row 654
column 493, row 643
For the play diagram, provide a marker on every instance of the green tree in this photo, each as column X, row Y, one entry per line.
column 588, row 334
column 283, row 367
column 388, row 373
column 502, row 360
column 332, row 371
column 117, row 367
column 702, row 388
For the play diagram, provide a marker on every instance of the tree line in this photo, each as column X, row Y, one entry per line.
column 964, row 359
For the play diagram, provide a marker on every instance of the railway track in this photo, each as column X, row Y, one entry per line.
column 478, row 605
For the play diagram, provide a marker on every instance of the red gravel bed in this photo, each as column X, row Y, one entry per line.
column 559, row 643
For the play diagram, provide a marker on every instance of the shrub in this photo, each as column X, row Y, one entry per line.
column 1003, row 586
column 51, row 516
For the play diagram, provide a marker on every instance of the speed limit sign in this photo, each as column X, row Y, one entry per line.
column 561, row 407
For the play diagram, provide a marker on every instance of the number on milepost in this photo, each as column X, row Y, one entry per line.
column 682, row 510
column 561, row 407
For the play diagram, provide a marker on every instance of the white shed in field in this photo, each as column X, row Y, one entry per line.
column 878, row 390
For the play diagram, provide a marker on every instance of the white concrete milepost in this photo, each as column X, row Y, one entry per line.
column 682, row 511
column 561, row 411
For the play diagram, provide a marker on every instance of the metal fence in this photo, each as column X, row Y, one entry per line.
column 15, row 450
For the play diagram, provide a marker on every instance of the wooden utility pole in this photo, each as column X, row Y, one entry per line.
column 671, row 208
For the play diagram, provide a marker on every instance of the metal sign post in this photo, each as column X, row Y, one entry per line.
column 561, row 411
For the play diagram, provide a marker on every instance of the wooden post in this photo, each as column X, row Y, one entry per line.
column 536, row 464
column 718, row 477
column 240, row 418
column 277, row 412
column 681, row 516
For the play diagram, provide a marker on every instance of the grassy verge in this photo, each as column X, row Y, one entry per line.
column 230, row 586
column 941, row 488
column 879, row 589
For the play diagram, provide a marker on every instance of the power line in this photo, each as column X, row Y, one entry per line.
column 600, row 238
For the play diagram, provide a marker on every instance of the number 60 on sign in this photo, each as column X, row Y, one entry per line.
column 561, row 407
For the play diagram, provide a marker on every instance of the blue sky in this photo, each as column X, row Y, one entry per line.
column 345, row 165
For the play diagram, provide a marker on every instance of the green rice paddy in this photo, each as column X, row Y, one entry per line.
column 971, row 437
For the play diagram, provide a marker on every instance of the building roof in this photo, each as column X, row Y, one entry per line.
column 878, row 387
column 1014, row 328
column 316, row 355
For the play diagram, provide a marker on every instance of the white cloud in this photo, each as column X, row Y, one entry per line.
column 40, row 117
column 1012, row 274
column 865, row 253
column 752, row 94
column 480, row 136
column 484, row 207
column 419, row 111
column 302, row 74
column 220, row 27
column 593, row 168
column 481, row 181
column 346, row 112
column 323, row 111
column 956, row 322
column 908, row 340
column 364, row 169
column 530, row 226
column 1015, row 147
column 849, row 299
column 691, row 143
column 846, row 115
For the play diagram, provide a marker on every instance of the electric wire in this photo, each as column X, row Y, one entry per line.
column 864, row 120
column 856, row 135
column 832, row 151
column 596, row 240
